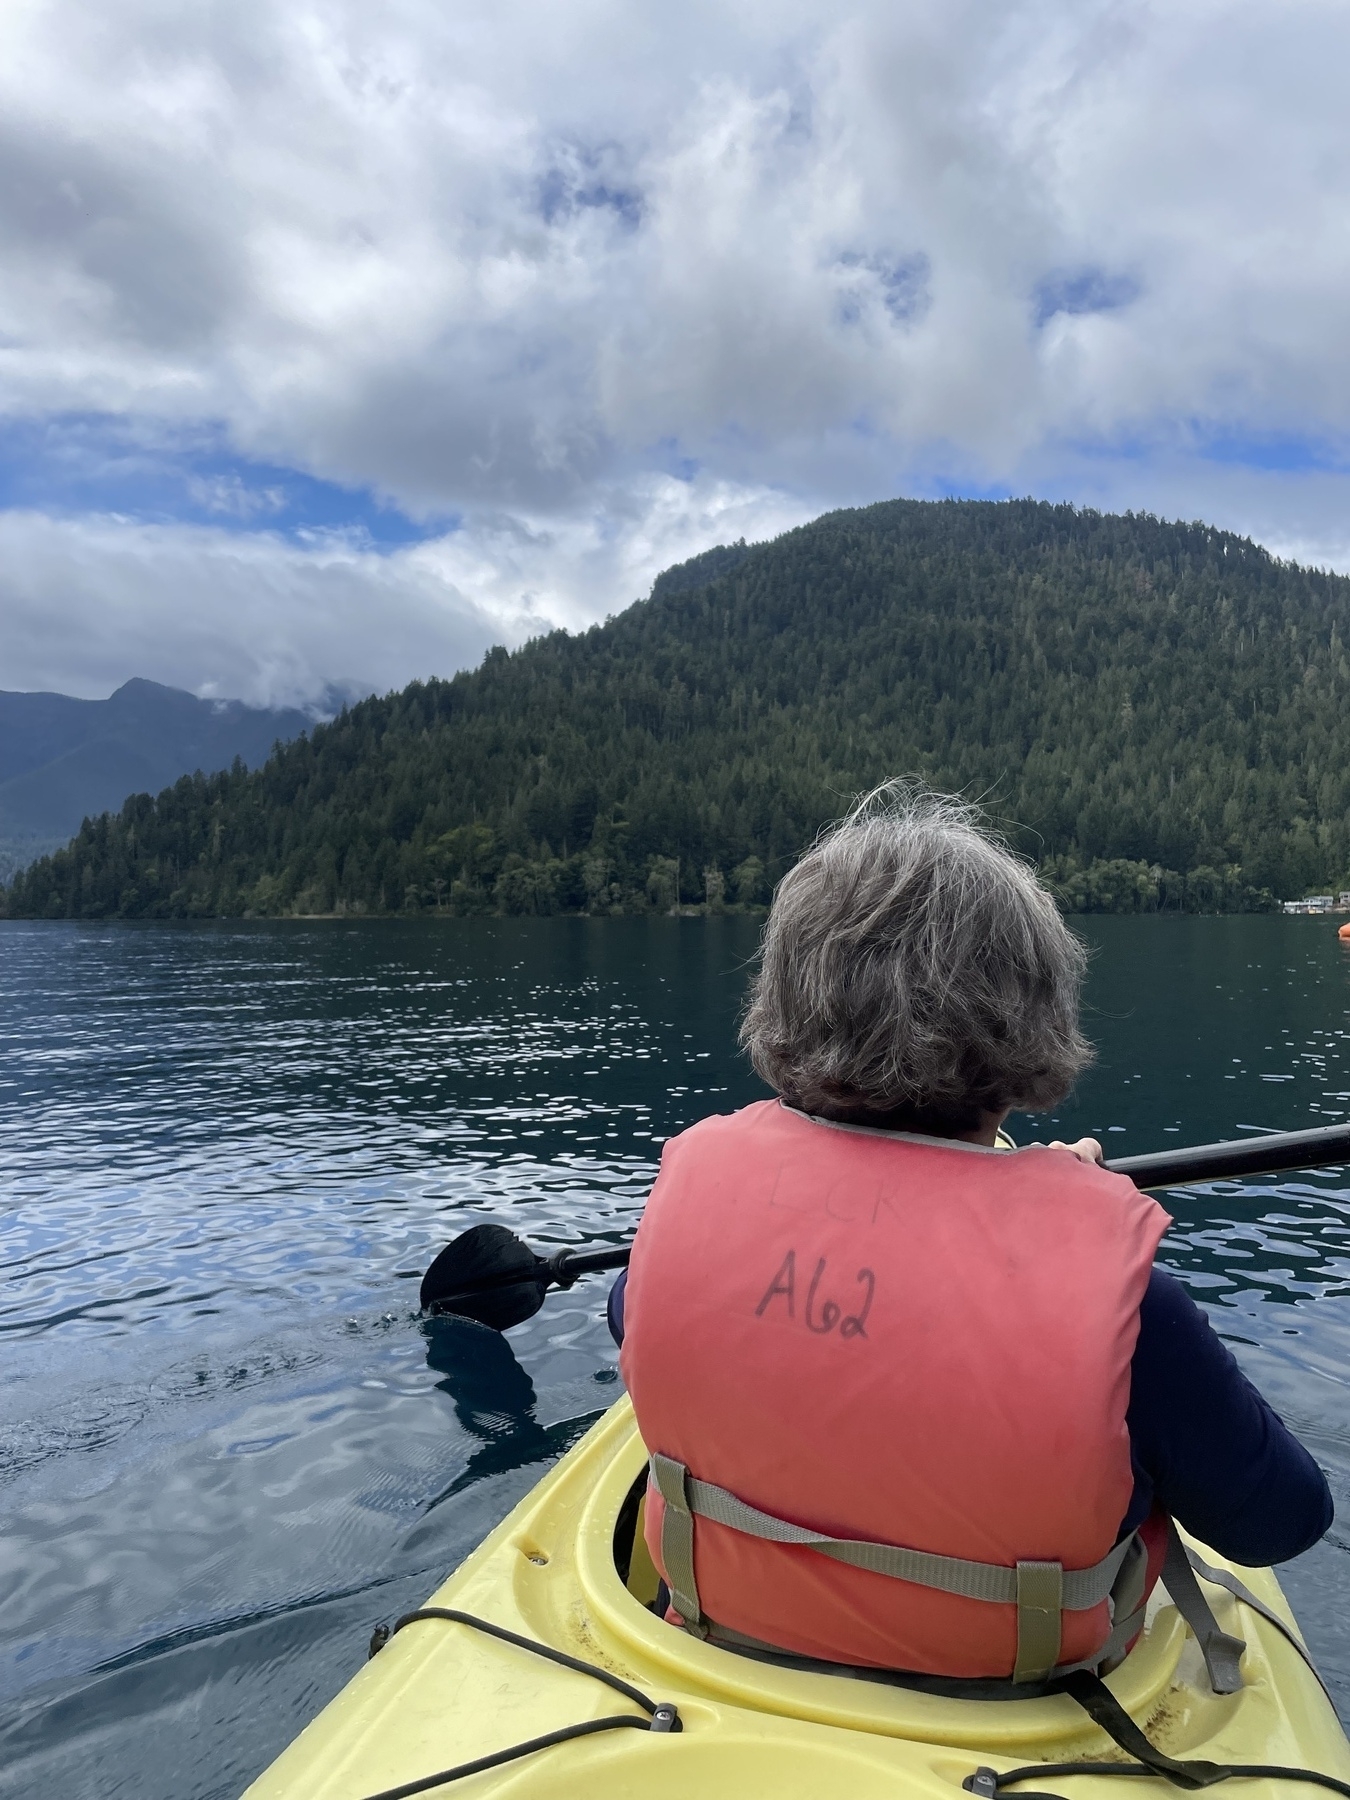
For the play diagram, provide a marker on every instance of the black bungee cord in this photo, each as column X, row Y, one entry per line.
column 660, row 1715
column 1105, row 1711
column 986, row 1783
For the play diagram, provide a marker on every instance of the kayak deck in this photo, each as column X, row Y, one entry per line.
column 441, row 1693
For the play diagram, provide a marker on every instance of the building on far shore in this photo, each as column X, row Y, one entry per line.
column 1318, row 903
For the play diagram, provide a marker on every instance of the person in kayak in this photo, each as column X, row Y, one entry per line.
column 917, row 1400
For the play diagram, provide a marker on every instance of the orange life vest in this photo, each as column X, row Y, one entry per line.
column 848, row 1348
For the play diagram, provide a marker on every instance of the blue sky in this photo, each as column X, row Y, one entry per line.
column 339, row 342
column 73, row 464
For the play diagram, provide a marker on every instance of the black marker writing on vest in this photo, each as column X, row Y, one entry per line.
column 854, row 1323
column 831, row 1313
column 784, row 1282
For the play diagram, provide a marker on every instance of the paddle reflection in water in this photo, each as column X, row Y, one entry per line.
column 494, row 1399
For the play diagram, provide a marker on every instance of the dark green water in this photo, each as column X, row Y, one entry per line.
column 229, row 1445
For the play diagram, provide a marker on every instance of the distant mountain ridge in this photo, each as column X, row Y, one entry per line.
column 1160, row 712
column 63, row 760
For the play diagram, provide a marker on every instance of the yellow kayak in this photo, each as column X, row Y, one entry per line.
column 443, row 1693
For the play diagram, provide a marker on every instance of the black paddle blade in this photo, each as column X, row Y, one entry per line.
column 487, row 1274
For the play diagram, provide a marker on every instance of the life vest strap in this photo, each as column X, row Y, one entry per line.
column 677, row 1541
column 1040, row 1608
column 954, row 1687
column 1041, row 1591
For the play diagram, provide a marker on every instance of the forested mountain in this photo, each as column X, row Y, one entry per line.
column 1157, row 711
column 63, row 759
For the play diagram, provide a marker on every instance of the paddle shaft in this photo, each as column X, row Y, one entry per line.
column 1159, row 1169
column 1247, row 1156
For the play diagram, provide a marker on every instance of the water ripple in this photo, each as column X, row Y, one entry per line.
column 228, row 1152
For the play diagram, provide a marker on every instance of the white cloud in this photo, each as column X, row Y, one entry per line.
column 229, row 496
column 252, row 616
column 244, row 615
column 571, row 571
column 602, row 281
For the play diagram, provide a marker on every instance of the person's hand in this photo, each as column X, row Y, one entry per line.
column 1087, row 1150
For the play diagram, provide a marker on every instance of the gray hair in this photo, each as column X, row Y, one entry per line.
column 915, row 973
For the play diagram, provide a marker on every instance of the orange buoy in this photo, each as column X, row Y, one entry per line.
column 1344, row 931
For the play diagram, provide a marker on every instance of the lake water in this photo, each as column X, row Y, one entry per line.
column 229, row 1445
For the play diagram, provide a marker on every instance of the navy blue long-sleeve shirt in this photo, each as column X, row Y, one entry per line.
column 1204, row 1443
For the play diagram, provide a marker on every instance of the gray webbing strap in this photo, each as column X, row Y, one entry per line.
column 1123, row 1633
column 1240, row 1591
column 677, row 1540
column 740, row 1640
column 1129, row 1608
column 1222, row 1653
column 1129, row 1592
column 1040, row 1591
column 1040, row 1604
column 1082, row 1588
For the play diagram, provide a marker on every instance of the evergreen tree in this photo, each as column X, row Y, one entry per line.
column 1157, row 712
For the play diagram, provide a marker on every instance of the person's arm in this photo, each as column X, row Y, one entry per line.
column 1218, row 1456
column 614, row 1307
